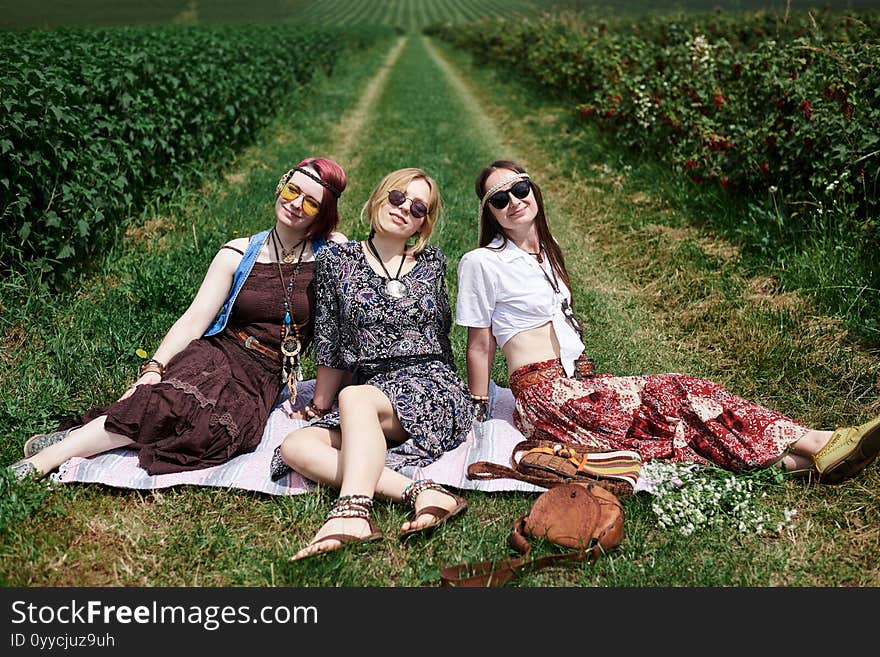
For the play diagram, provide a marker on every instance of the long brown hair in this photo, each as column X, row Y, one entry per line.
column 490, row 228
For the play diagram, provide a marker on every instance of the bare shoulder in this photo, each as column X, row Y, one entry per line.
column 239, row 244
column 338, row 237
column 230, row 254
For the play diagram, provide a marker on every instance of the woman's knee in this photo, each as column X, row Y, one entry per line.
column 356, row 397
column 295, row 448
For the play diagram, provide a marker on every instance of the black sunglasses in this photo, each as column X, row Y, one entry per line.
column 499, row 200
column 417, row 209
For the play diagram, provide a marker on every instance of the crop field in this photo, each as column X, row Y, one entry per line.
column 404, row 14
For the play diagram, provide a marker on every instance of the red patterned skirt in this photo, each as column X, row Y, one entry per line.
column 661, row 416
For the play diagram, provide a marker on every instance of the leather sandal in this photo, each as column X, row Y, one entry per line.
column 849, row 451
column 348, row 506
column 36, row 444
column 441, row 515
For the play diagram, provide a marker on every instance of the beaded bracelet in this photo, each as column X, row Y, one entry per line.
column 153, row 365
column 312, row 411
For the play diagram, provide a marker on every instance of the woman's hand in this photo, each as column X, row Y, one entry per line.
column 147, row 378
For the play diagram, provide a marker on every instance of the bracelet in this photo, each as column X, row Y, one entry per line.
column 481, row 407
column 153, row 365
column 312, row 411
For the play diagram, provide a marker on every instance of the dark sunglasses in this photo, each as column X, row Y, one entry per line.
column 417, row 209
column 499, row 200
column 291, row 192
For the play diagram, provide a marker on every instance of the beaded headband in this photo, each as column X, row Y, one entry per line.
column 495, row 188
column 287, row 176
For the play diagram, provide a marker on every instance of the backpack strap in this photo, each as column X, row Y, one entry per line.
column 497, row 573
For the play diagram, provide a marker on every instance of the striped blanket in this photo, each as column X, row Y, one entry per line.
column 492, row 441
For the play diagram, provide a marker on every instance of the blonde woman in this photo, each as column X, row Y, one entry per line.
column 383, row 318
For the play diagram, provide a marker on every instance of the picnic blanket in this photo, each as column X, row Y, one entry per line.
column 492, row 440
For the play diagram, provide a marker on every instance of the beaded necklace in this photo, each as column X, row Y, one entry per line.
column 291, row 345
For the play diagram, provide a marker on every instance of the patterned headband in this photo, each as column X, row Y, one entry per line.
column 495, row 188
column 287, row 176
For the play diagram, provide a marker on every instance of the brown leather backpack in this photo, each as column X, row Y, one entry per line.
column 582, row 516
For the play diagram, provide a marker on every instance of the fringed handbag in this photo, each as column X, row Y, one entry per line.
column 545, row 463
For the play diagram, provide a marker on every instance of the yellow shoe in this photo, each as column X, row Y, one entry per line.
column 849, row 451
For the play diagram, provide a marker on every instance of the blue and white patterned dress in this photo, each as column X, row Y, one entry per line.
column 360, row 328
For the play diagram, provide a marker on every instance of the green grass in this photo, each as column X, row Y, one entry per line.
column 658, row 293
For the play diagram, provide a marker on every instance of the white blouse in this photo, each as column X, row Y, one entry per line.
column 506, row 289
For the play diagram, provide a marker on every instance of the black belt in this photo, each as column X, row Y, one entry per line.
column 366, row 370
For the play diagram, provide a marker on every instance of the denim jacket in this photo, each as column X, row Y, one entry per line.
column 241, row 274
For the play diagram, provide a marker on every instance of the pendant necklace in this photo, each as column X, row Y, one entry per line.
column 287, row 255
column 394, row 288
column 567, row 312
column 291, row 345
column 539, row 256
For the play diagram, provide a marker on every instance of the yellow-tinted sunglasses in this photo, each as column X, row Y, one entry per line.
column 291, row 192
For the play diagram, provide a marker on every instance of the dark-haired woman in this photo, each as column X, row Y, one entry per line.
column 206, row 393
column 514, row 293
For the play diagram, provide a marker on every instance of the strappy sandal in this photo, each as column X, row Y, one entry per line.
column 348, row 506
column 442, row 515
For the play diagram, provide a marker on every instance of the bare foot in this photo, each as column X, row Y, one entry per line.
column 334, row 533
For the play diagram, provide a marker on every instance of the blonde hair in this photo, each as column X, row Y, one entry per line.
column 400, row 180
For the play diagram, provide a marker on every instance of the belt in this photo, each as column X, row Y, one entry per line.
column 250, row 342
column 534, row 374
column 366, row 370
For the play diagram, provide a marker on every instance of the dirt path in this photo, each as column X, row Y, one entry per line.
column 351, row 128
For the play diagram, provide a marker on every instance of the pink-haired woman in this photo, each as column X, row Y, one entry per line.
column 206, row 394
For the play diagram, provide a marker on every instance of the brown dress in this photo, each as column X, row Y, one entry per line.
column 215, row 397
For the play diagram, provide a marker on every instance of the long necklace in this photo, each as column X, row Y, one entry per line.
column 394, row 287
column 567, row 311
column 291, row 345
column 287, row 255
